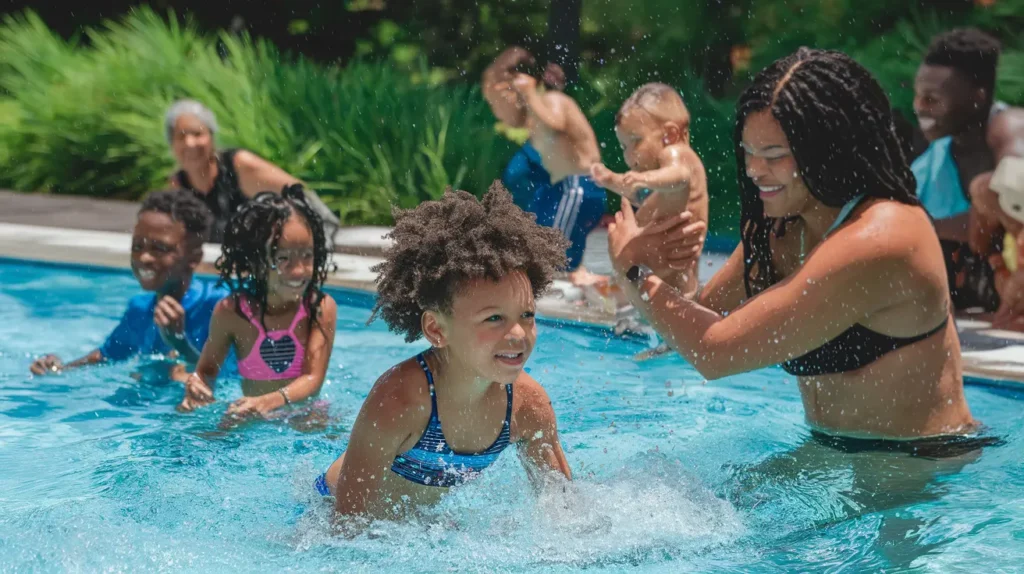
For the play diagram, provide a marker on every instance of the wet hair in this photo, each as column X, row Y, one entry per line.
column 661, row 101
column 440, row 245
column 517, row 60
column 184, row 207
column 250, row 244
column 969, row 51
column 188, row 108
column 839, row 125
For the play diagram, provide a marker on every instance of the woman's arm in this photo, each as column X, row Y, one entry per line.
column 846, row 279
column 537, row 433
column 256, row 174
column 725, row 290
column 199, row 386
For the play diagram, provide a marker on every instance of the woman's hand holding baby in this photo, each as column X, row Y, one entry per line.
column 667, row 244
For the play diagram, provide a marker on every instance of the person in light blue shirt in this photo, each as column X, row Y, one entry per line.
column 954, row 100
column 173, row 317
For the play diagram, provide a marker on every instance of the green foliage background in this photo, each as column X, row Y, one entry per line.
column 404, row 118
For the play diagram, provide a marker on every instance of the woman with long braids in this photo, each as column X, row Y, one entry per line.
column 839, row 277
column 277, row 318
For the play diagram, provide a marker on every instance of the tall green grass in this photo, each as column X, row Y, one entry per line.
column 87, row 117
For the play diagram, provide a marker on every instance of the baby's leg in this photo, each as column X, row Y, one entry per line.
column 659, row 206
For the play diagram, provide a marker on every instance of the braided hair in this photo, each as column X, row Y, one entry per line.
column 840, row 128
column 250, row 244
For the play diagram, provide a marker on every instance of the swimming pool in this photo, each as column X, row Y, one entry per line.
column 98, row 472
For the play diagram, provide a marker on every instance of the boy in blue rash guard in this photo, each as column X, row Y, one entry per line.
column 549, row 176
column 174, row 317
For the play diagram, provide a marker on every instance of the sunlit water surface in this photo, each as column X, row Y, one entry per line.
column 98, row 472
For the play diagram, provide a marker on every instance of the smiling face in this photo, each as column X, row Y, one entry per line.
column 490, row 328
column 771, row 166
column 162, row 257
column 945, row 101
column 191, row 142
column 291, row 264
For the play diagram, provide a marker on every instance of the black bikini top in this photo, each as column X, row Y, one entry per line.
column 855, row 347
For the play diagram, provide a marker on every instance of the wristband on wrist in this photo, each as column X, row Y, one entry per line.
column 636, row 275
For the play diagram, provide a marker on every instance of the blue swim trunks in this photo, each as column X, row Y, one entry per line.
column 574, row 206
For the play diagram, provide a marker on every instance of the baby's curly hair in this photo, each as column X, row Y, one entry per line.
column 440, row 245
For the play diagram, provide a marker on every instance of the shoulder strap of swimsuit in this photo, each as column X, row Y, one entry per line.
column 508, row 408
column 183, row 180
column 227, row 160
column 227, row 157
column 243, row 304
column 430, row 384
column 298, row 316
column 844, row 213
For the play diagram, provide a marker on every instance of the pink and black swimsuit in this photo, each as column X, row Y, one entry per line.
column 276, row 355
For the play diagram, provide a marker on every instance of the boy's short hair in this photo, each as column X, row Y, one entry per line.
column 969, row 51
column 184, row 207
column 659, row 100
column 440, row 245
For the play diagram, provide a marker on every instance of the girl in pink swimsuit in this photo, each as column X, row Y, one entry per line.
column 277, row 319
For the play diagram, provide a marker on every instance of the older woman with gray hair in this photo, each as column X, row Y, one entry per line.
column 228, row 178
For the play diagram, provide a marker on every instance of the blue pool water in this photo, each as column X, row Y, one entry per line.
column 98, row 472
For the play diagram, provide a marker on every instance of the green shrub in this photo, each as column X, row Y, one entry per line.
column 89, row 119
column 85, row 116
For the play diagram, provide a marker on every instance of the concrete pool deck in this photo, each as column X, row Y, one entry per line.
column 93, row 232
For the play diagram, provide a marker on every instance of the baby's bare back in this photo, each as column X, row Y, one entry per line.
column 694, row 198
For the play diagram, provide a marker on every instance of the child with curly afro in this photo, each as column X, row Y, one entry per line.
column 462, row 273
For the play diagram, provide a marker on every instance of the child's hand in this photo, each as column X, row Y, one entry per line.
column 169, row 315
column 631, row 181
column 197, row 394
column 524, row 83
column 606, row 178
column 670, row 243
column 47, row 365
column 251, row 407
